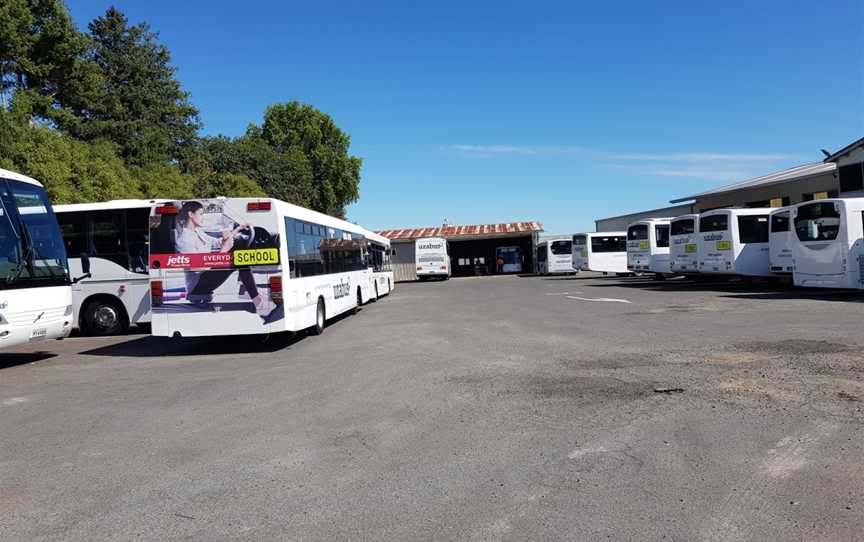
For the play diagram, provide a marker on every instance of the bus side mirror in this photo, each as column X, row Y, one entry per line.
column 85, row 268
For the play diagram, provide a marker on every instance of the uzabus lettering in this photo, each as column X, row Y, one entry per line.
column 342, row 289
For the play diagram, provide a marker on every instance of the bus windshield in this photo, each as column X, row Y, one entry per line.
column 31, row 247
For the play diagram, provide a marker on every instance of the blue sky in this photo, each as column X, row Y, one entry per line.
column 561, row 112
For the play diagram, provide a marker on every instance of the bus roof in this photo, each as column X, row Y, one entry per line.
column 606, row 234
column 6, row 174
column 108, row 205
column 740, row 211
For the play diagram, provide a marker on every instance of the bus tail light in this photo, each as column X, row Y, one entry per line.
column 156, row 293
column 419, row 268
column 166, row 210
column 276, row 289
column 258, row 206
column 443, row 267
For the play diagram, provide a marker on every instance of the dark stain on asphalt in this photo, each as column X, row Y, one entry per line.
column 577, row 387
column 793, row 347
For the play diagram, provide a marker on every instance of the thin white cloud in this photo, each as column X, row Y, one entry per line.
column 694, row 165
column 567, row 150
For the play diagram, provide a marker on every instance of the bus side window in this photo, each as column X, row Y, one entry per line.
column 74, row 229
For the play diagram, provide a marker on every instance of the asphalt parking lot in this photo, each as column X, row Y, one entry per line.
column 574, row 408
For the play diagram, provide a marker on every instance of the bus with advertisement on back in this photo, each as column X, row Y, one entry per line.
column 734, row 242
column 648, row 246
column 684, row 244
column 115, row 237
column 35, row 285
column 555, row 256
column 603, row 252
column 242, row 266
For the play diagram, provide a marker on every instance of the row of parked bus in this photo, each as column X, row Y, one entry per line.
column 189, row 268
column 816, row 244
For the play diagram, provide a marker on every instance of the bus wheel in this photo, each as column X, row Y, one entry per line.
column 359, row 301
column 104, row 317
column 320, row 319
column 376, row 292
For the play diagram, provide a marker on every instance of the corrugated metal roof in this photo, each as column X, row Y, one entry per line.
column 844, row 150
column 791, row 174
column 453, row 231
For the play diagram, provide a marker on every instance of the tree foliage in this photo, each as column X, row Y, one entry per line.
column 102, row 115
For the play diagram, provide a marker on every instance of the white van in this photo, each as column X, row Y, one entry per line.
column 555, row 256
column 828, row 245
column 780, row 241
column 432, row 258
column 734, row 242
column 648, row 246
column 603, row 252
column 684, row 244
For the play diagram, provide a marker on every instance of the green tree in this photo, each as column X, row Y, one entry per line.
column 139, row 104
column 310, row 141
column 72, row 171
column 228, row 185
column 42, row 55
column 163, row 181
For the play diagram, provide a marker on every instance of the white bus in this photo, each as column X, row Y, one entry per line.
column 432, row 258
column 237, row 266
column 684, row 244
column 734, row 242
column 780, row 241
column 648, row 246
column 35, row 293
column 114, row 235
column 378, row 261
column 603, row 252
column 555, row 256
column 828, row 245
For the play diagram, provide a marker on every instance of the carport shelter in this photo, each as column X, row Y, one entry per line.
column 472, row 247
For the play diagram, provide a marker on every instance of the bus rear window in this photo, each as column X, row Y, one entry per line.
column 684, row 226
column 579, row 240
column 661, row 232
column 713, row 223
column 615, row 243
column 753, row 229
column 639, row 232
column 817, row 222
column 562, row 247
column 779, row 222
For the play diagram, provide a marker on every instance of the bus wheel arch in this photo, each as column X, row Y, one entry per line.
column 320, row 317
column 102, row 315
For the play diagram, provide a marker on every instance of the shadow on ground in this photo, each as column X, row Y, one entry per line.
column 740, row 289
column 14, row 359
column 154, row 347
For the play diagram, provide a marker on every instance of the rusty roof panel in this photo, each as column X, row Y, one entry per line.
column 451, row 231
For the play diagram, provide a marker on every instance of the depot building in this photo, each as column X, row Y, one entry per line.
column 473, row 249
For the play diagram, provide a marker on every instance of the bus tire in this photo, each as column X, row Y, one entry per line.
column 320, row 318
column 359, row 301
column 104, row 316
column 375, row 299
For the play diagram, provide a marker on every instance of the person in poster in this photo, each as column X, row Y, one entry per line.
column 190, row 238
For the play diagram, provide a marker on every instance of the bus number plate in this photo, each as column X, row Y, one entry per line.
column 257, row 256
column 724, row 245
column 38, row 334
